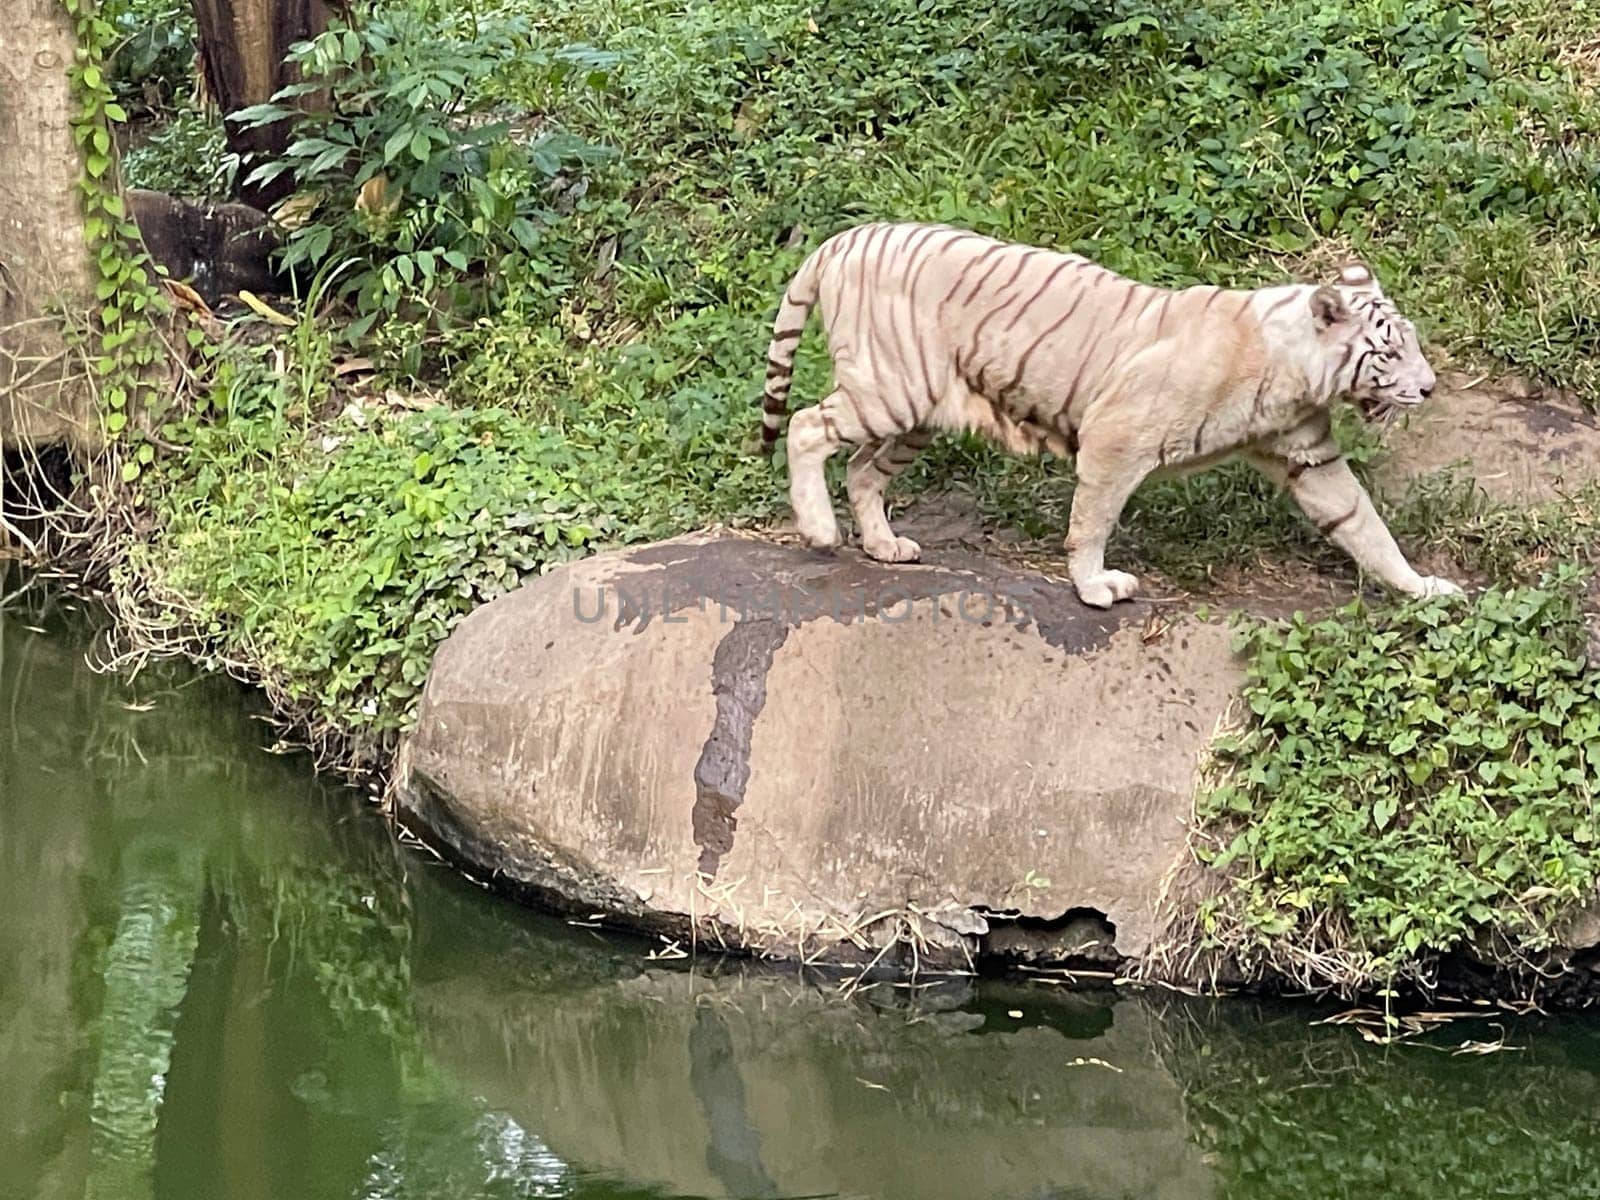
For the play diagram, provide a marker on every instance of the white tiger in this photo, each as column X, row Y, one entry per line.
column 935, row 328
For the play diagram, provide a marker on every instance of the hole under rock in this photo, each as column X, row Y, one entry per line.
column 1080, row 937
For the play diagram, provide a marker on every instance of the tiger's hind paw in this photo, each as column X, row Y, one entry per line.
column 1104, row 589
column 820, row 535
column 893, row 549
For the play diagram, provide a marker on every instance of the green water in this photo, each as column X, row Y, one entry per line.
column 220, row 979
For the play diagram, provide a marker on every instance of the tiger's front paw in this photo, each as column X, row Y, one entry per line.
column 1437, row 585
column 1106, row 588
column 893, row 549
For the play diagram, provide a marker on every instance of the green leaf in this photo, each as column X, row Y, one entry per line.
column 1403, row 742
column 1383, row 811
column 397, row 142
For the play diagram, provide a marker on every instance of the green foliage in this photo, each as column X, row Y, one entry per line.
column 416, row 182
column 1504, row 542
column 1409, row 782
column 149, row 62
column 180, row 149
column 336, row 567
column 602, row 320
column 185, row 155
column 1181, row 143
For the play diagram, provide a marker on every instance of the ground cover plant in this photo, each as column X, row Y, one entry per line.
column 1407, row 782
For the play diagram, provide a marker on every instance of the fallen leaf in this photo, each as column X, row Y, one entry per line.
column 186, row 298
column 605, row 259
column 261, row 308
column 373, row 198
column 396, row 399
column 1470, row 1047
column 297, row 209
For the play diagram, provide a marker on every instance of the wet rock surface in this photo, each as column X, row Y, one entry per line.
column 812, row 756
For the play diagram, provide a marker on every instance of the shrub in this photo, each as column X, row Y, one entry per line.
column 425, row 199
column 150, row 64
column 1408, row 782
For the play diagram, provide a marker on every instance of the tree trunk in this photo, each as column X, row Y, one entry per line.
column 44, row 393
column 242, row 48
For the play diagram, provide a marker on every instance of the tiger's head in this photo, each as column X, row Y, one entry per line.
column 1380, row 367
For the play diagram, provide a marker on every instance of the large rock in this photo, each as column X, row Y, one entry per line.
column 217, row 247
column 739, row 743
column 819, row 757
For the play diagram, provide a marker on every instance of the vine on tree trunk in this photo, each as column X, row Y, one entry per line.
column 122, row 341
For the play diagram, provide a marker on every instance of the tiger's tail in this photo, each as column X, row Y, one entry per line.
column 798, row 300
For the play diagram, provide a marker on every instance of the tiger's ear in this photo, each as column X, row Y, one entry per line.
column 1356, row 274
column 1328, row 307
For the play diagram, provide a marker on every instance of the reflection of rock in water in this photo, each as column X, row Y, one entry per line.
column 750, row 1084
column 734, row 1151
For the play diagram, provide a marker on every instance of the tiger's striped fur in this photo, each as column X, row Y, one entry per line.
column 933, row 328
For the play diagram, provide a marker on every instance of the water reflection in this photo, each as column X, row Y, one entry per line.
column 219, row 979
column 750, row 1084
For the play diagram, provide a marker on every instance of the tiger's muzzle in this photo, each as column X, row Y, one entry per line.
column 1385, row 408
